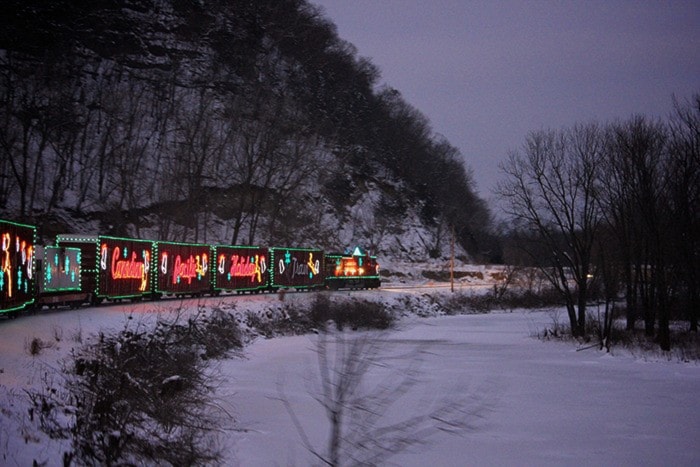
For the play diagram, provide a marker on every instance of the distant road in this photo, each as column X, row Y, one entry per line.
column 438, row 285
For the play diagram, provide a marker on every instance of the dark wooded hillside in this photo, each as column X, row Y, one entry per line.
column 235, row 121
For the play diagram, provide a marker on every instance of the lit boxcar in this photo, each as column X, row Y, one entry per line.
column 240, row 268
column 17, row 266
column 182, row 269
column 358, row 270
column 58, row 275
column 299, row 268
column 112, row 268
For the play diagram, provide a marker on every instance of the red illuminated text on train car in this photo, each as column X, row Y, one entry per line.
column 242, row 267
column 130, row 268
column 126, row 268
column 190, row 268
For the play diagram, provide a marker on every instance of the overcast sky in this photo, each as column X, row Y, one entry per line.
column 488, row 72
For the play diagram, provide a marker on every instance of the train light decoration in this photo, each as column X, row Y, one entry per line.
column 60, row 269
column 299, row 268
column 182, row 268
column 114, row 268
column 81, row 269
column 240, row 268
column 17, row 266
column 59, row 277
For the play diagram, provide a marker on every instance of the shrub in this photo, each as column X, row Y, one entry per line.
column 544, row 298
column 462, row 303
column 284, row 321
column 444, row 276
column 218, row 333
column 355, row 314
column 36, row 346
column 140, row 396
column 685, row 345
column 290, row 320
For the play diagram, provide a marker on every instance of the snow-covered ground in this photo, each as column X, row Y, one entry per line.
column 533, row 403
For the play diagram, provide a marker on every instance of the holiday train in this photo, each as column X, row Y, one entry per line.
column 90, row 269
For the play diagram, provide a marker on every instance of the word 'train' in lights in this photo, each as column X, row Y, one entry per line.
column 311, row 268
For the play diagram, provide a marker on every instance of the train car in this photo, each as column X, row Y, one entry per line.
column 356, row 270
column 58, row 277
column 298, row 268
column 182, row 269
column 240, row 268
column 113, row 268
column 17, row 267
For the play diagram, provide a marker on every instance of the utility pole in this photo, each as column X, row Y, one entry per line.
column 452, row 260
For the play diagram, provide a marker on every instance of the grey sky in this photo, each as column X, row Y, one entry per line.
column 488, row 72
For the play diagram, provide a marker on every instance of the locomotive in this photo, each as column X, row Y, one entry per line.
column 90, row 269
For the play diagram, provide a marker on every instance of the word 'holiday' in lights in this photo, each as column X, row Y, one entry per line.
column 243, row 266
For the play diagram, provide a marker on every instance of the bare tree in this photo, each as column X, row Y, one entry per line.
column 361, row 430
column 684, row 189
column 23, row 140
column 550, row 191
column 200, row 140
column 269, row 162
column 634, row 195
column 609, row 278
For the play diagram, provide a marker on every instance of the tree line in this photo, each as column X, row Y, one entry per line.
column 179, row 116
column 609, row 211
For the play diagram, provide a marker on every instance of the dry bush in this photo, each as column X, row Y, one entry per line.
column 280, row 322
column 444, row 276
column 292, row 320
column 35, row 346
column 685, row 345
column 58, row 333
column 142, row 396
column 463, row 303
column 354, row 314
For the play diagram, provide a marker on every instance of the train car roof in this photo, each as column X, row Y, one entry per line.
column 77, row 238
